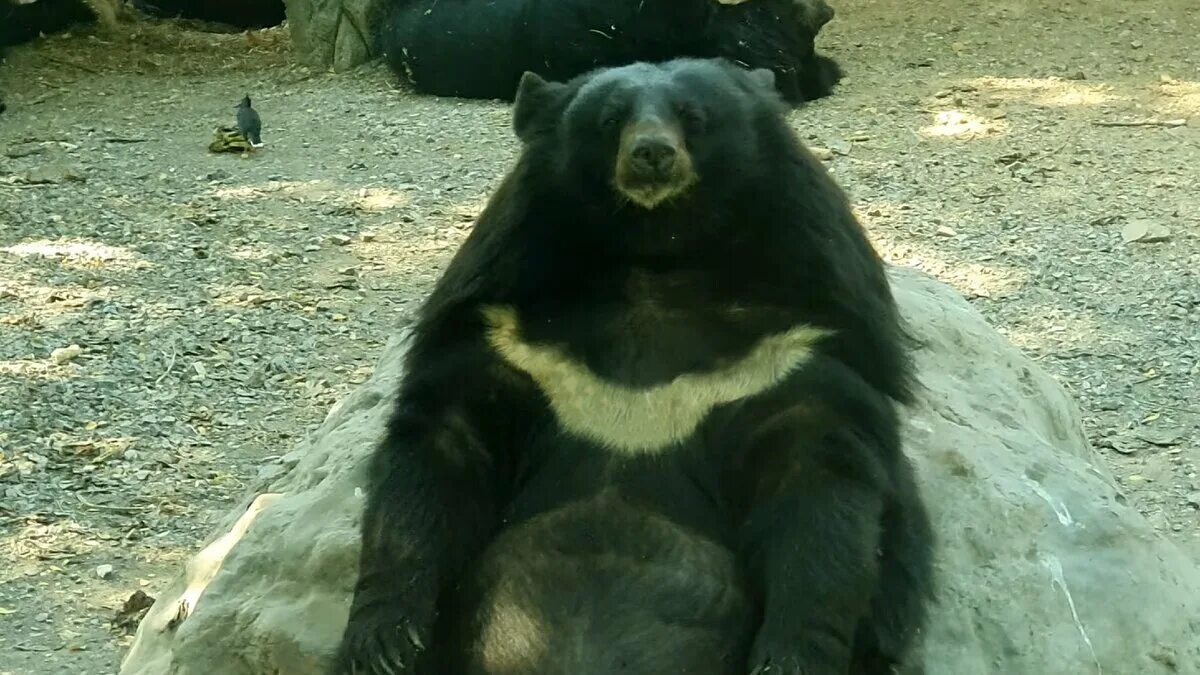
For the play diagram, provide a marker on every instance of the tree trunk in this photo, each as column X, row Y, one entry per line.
column 331, row 32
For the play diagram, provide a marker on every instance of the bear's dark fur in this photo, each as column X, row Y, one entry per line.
column 24, row 22
column 648, row 422
column 238, row 13
column 480, row 48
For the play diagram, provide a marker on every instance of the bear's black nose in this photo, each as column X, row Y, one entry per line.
column 653, row 155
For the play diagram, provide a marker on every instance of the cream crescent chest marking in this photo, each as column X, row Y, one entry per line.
column 632, row 420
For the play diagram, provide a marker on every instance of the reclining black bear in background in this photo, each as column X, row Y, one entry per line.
column 22, row 22
column 648, row 420
column 239, row 13
column 480, row 48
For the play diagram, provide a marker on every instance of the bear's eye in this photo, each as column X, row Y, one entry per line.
column 610, row 120
column 612, row 116
column 691, row 117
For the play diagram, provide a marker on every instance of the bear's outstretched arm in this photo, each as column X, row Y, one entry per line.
column 438, row 480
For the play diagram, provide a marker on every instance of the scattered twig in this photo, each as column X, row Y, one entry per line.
column 30, row 647
column 1069, row 136
column 73, row 64
column 19, row 152
column 1066, row 356
column 1144, row 380
column 125, row 140
column 106, row 507
column 47, row 96
column 1140, row 123
column 170, row 365
column 306, row 75
column 41, row 139
column 1182, row 409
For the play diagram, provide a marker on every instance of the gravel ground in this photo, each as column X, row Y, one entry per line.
column 170, row 317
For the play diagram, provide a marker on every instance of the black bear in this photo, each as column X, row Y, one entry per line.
column 480, row 48
column 22, row 21
column 247, row 14
column 649, row 418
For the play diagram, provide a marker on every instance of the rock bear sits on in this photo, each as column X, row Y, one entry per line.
column 649, row 419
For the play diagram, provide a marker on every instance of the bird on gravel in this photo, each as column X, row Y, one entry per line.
column 248, row 122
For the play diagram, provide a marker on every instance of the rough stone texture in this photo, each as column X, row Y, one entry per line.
column 1044, row 570
column 331, row 32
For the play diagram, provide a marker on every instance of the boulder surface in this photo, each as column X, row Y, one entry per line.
column 1043, row 568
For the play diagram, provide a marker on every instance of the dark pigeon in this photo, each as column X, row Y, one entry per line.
column 249, row 123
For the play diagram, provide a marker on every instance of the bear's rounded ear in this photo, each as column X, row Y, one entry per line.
column 815, row 13
column 763, row 77
column 537, row 101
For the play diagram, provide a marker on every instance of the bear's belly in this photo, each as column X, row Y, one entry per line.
column 601, row 586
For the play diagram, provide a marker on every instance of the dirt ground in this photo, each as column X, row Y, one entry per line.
column 170, row 317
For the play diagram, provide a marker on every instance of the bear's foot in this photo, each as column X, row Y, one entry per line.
column 380, row 646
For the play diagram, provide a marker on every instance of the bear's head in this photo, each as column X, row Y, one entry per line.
column 649, row 134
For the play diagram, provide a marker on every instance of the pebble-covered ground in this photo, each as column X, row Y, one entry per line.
column 170, row 317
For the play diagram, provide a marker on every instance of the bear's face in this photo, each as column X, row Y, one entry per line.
column 648, row 134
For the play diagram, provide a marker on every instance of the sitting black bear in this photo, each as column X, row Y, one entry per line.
column 480, row 48
column 649, row 420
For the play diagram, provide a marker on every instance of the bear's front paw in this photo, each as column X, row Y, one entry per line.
column 381, row 646
column 787, row 657
column 778, row 666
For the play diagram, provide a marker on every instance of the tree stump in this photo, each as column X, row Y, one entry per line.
column 331, row 33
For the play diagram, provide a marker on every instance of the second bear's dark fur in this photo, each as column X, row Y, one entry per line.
column 648, row 421
column 480, row 48
column 21, row 23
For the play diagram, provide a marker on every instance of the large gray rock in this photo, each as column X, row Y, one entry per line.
column 1044, row 570
column 334, row 33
